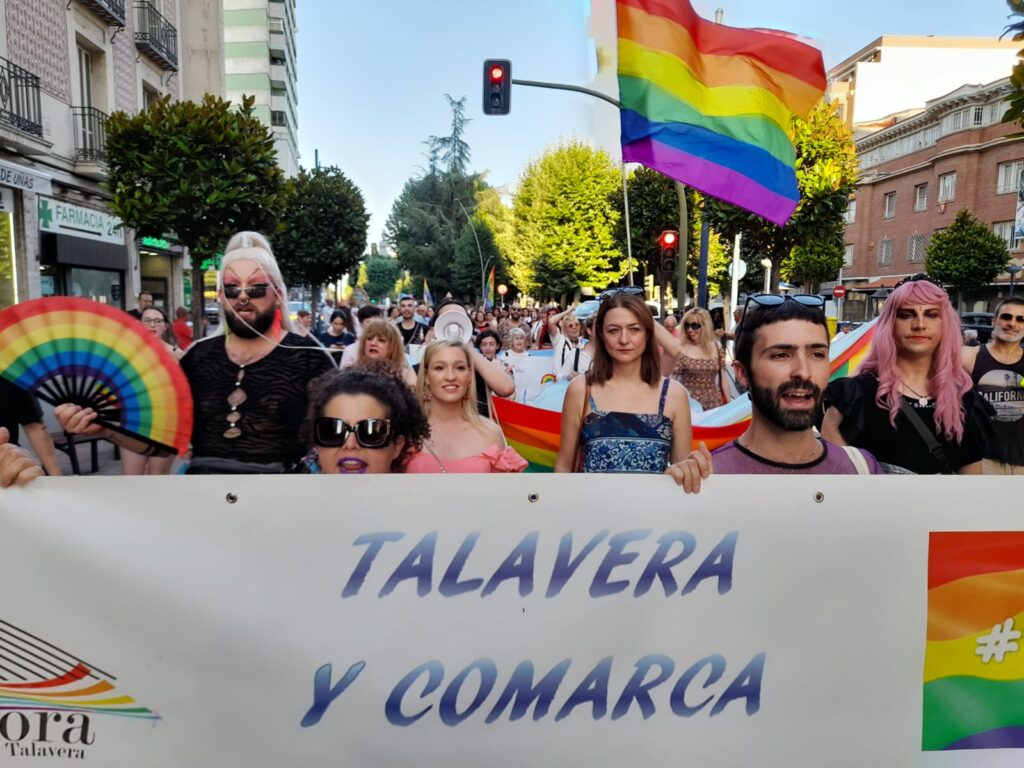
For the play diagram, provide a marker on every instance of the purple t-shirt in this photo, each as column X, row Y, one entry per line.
column 733, row 459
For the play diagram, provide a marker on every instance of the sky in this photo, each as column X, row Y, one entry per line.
column 372, row 74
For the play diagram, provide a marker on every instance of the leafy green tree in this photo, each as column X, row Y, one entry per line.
column 564, row 222
column 323, row 228
column 475, row 254
column 202, row 171
column 966, row 255
column 382, row 273
column 826, row 172
column 1015, row 114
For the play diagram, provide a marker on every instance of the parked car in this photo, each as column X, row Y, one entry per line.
column 980, row 322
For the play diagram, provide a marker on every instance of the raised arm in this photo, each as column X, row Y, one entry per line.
column 493, row 375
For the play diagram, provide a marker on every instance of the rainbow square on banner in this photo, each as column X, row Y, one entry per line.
column 974, row 654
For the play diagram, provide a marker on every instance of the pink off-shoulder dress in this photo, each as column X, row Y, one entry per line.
column 494, row 459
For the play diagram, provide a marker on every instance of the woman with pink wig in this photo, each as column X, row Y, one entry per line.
column 911, row 403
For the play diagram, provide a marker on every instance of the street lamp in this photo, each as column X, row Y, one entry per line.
column 1013, row 269
column 502, row 290
column 767, row 264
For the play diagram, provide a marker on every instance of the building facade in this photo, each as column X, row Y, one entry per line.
column 64, row 66
column 916, row 175
column 260, row 60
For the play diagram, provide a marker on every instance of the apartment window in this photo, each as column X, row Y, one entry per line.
column 915, row 249
column 848, row 256
column 276, row 25
column 884, row 252
column 1008, row 179
column 851, row 212
column 85, row 76
column 150, row 96
column 921, row 197
column 1004, row 231
column 978, row 117
column 890, row 205
column 947, row 187
column 278, row 118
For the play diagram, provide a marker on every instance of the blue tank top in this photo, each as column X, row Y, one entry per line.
column 627, row 442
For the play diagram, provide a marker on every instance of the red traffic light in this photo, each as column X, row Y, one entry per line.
column 497, row 73
column 669, row 238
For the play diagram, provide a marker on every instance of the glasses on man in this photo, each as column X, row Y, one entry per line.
column 628, row 290
column 768, row 302
column 370, row 433
column 1006, row 317
column 254, row 291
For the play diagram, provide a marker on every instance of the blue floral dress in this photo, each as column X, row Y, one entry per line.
column 612, row 441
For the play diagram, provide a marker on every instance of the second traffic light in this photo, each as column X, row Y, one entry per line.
column 668, row 241
column 497, row 86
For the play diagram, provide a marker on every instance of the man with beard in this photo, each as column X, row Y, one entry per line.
column 782, row 356
column 997, row 370
column 515, row 319
column 412, row 330
column 248, row 383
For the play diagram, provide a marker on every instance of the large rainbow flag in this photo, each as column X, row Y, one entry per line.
column 710, row 105
column 974, row 655
column 536, row 431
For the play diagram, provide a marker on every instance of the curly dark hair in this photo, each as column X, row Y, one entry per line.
column 380, row 383
column 488, row 334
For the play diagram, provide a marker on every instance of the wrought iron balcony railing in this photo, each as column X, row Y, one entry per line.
column 20, row 107
column 90, row 134
column 155, row 36
column 111, row 11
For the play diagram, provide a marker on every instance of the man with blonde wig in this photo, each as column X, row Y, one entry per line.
column 249, row 381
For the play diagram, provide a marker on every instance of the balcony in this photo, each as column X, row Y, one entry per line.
column 111, row 11
column 19, row 99
column 90, row 134
column 155, row 36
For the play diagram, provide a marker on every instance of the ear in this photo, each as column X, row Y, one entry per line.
column 741, row 374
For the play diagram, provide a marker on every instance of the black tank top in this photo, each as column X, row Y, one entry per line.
column 1002, row 385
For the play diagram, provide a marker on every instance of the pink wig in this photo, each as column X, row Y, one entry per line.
column 949, row 381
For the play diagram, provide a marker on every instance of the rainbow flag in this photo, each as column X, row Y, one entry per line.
column 427, row 298
column 536, row 432
column 974, row 655
column 489, row 299
column 710, row 105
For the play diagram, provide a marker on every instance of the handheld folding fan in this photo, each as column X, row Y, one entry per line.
column 70, row 350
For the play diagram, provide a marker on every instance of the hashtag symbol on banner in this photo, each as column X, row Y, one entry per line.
column 999, row 642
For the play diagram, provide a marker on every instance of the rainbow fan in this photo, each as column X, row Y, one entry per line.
column 70, row 350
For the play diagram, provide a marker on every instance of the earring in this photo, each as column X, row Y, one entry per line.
column 426, row 394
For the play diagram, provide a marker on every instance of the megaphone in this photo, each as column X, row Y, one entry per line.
column 453, row 324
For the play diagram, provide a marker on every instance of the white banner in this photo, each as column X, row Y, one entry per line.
column 475, row 620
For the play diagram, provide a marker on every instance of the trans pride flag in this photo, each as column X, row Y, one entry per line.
column 974, row 655
column 710, row 105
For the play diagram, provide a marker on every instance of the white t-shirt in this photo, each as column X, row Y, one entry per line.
column 569, row 357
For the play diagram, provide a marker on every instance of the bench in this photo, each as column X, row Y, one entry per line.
column 66, row 443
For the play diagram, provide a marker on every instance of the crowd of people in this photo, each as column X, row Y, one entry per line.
column 409, row 389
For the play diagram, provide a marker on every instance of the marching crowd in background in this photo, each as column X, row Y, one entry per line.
column 409, row 388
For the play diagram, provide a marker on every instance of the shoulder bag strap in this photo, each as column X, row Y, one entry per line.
column 857, row 459
column 936, row 450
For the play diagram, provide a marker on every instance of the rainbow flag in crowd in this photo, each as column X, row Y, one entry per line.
column 974, row 655
column 535, row 432
column 710, row 105
column 489, row 299
column 427, row 298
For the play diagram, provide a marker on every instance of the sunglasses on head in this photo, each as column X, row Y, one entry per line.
column 770, row 301
column 370, row 433
column 255, row 291
column 1007, row 317
column 918, row 278
column 628, row 290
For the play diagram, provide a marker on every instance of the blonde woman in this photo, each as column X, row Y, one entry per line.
column 381, row 342
column 461, row 440
column 698, row 360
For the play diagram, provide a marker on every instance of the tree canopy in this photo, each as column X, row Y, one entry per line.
column 201, row 171
column 966, row 255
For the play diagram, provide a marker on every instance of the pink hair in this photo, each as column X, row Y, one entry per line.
column 949, row 381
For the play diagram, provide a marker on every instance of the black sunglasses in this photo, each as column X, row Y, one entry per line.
column 370, row 433
column 771, row 301
column 1007, row 317
column 692, row 326
column 256, row 291
column 628, row 290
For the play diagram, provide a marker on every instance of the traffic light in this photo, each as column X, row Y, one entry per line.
column 497, row 86
column 668, row 241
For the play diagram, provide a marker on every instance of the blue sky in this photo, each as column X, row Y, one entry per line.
column 372, row 75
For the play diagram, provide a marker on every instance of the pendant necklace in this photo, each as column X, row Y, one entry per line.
column 922, row 400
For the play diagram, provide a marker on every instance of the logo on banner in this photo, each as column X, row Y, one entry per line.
column 974, row 656
column 49, row 698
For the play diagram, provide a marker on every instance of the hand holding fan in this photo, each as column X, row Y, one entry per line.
column 72, row 350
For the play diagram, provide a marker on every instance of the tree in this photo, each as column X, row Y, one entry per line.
column 381, row 275
column 323, row 228
column 475, row 254
column 1015, row 114
column 826, row 173
column 564, row 222
column 966, row 255
column 202, row 171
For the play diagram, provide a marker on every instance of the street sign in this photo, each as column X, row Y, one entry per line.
column 742, row 269
column 839, row 292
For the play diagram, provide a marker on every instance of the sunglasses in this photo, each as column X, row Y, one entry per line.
column 770, row 301
column 692, row 326
column 255, row 291
column 370, row 433
column 628, row 290
column 1007, row 317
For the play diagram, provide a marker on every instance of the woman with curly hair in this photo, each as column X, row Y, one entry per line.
column 362, row 421
column 911, row 404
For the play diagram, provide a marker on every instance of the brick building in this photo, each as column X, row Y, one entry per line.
column 916, row 175
column 64, row 66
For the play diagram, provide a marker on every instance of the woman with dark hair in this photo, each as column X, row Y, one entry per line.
column 602, row 430
column 488, row 344
column 911, row 403
column 340, row 332
column 362, row 421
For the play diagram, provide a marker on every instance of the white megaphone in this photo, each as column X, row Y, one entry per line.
column 453, row 324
